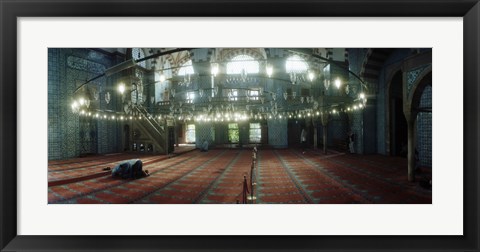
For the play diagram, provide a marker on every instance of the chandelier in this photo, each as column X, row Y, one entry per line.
column 220, row 94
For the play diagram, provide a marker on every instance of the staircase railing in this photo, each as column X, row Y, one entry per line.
column 155, row 124
column 154, row 129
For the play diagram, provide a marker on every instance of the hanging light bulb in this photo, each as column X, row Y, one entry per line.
column 338, row 83
column 326, row 83
column 311, row 75
column 293, row 78
column 121, row 88
column 107, row 97
column 162, row 77
column 362, row 96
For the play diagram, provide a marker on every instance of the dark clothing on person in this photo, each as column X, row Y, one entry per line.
column 204, row 146
column 129, row 169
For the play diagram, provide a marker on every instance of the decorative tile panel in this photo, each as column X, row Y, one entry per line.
column 412, row 77
column 68, row 134
column 424, row 129
column 277, row 133
column 85, row 65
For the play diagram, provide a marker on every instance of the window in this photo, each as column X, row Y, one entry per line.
column 190, row 96
column 232, row 95
column 190, row 133
column 296, row 64
column 137, row 53
column 186, row 69
column 137, row 95
column 255, row 133
column 253, row 94
column 243, row 62
column 233, row 136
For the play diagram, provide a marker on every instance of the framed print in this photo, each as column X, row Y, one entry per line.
column 319, row 113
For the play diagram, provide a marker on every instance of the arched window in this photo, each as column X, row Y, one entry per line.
column 137, row 53
column 186, row 68
column 240, row 62
column 137, row 94
column 296, row 64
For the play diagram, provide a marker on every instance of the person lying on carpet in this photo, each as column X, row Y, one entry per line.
column 130, row 169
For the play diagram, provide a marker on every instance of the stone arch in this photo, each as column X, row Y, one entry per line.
column 178, row 59
column 414, row 95
column 225, row 54
column 394, row 111
column 373, row 64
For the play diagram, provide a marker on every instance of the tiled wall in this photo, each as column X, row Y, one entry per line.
column 396, row 57
column 204, row 131
column 55, row 132
column 337, row 129
column 424, row 129
column 277, row 133
column 357, row 129
column 69, row 134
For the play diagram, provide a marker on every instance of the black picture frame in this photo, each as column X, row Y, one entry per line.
column 10, row 10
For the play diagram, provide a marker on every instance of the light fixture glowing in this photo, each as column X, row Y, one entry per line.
column 362, row 96
column 74, row 105
column 121, row 88
column 338, row 83
column 311, row 75
column 162, row 77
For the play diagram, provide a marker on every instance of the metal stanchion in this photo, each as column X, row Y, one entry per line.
column 252, row 198
column 245, row 190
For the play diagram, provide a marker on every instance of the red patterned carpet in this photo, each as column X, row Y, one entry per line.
column 217, row 176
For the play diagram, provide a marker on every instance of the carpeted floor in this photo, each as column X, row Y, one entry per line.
column 217, row 176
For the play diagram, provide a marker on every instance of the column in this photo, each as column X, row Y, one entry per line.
column 324, row 120
column 411, row 150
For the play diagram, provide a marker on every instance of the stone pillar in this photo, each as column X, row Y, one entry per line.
column 411, row 116
column 325, row 139
column 411, row 150
column 315, row 135
column 324, row 120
